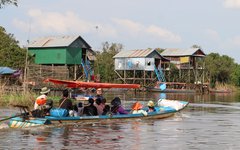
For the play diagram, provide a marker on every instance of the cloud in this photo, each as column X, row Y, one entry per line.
column 163, row 34
column 68, row 22
column 231, row 3
column 230, row 46
column 212, row 35
column 49, row 23
column 136, row 29
column 235, row 41
column 129, row 26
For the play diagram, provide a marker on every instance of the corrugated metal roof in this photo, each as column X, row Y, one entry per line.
column 58, row 41
column 134, row 53
column 180, row 52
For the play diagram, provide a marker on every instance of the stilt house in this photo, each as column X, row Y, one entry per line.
column 189, row 62
column 140, row 66
column 63, row 57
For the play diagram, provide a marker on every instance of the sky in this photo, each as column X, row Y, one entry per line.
column 214, row 25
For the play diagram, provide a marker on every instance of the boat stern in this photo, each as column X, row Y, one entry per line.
column 19, row 122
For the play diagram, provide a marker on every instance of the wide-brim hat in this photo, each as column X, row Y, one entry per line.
column 150, row 104
column 45, row 90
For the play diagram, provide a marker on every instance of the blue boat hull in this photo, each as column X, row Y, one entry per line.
column 162, row 112
column 19, row 122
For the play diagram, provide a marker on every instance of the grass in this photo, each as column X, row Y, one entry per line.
column 13, row 96
column 220, row 86
column 16, row 98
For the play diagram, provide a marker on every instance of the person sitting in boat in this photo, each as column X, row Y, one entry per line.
column 74, row 112
column 106, row 110
column 90, row 110
column 117, row 108
column 151, row 107
column 42, row 99
column 41, row 107
column 80, row 109
column 99, row 105
column 99, row 93
column 65, row 102
column 48, row 107
column 137, row 109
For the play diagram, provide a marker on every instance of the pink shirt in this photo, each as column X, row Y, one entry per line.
column 99, row 108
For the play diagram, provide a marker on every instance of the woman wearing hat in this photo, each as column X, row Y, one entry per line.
column 151, row 107
column 42, row 99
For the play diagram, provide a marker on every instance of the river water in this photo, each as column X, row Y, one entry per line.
column 210, row 121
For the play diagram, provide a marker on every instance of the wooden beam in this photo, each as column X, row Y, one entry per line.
column 120, row 76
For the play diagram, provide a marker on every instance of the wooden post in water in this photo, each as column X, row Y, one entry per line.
column 144, row 74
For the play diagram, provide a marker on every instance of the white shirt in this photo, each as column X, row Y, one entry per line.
column 140, row 112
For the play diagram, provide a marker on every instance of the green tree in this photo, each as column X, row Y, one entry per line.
column 160, row 50
column 174, row 73
column 235, row 75
column 219, row 68
column 11, row 54
column 226, row 68
column 104, row 64
column 7, row 2
column 196, row 46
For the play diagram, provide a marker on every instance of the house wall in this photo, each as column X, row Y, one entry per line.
column 49, row 55
column 134, row 64
column 69, row 55
column 74, row 56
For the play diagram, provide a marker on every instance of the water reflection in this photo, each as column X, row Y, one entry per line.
column 209, row 122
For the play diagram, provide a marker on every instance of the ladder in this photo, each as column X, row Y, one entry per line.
column 87, row 68
column 84, row 69
column 159, row 73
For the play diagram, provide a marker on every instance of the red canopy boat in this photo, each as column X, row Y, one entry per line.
column 79, row 84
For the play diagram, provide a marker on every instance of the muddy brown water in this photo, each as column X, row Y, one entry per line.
column 209, row 122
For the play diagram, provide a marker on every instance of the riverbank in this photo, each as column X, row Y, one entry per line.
column 15, row 96
column 19, row 97
column 225, row 88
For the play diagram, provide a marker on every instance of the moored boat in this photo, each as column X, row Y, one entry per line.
column 220, row 91
column 81, row 84
column 160, row 113
column 171, row 90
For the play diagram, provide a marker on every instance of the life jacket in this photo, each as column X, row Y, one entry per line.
column 137, row 106
column 41, row 100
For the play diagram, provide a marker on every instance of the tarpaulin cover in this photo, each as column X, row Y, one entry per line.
column 6, row 70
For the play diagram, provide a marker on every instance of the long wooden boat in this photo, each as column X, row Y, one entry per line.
column 219, row 91
column 171, row 90
column 162, row 112
column 19, row 122
column 80, row 84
